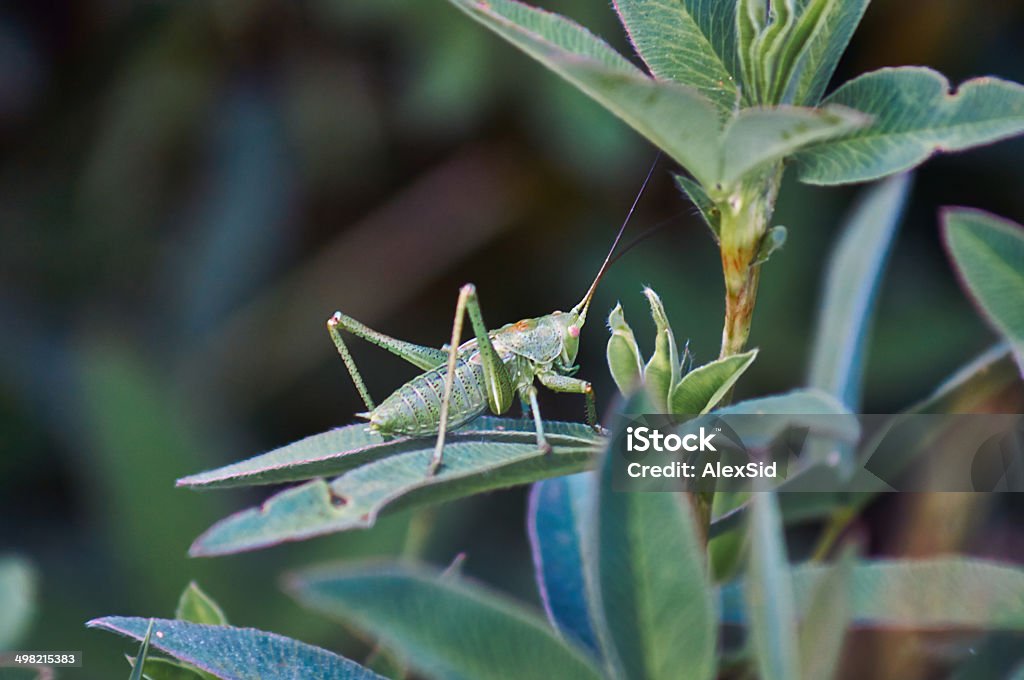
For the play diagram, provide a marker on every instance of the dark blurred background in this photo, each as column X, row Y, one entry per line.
column 188, row 190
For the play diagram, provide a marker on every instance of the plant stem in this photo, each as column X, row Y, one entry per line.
column 746, row 212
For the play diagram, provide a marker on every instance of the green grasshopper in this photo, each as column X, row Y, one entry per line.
column 462, row 380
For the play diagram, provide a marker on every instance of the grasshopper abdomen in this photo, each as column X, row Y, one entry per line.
column 414, row 409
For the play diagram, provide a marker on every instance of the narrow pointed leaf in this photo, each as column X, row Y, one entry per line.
column 446, row 627
column 662, row 370
column 140, row 660
column 345, row 448
column 355, row 499
column 817, row 61
column 677, row 119
column 750, row 19
column 647, row 572
column 158, row 668
column 851, row 287
column 757, row 136
column 938, row 593
column 238, row 653
column 989, row 256
column 695, row 192
column 624, row 359
column 915, row 115
column 558, row 513
column 769, row 593
column 701, row 389
column 196, row 606
column 773, row 241
column 823, row 627
column 18, row 594
column 677, row 40
column 790, row 54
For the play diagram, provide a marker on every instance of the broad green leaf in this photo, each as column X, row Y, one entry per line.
column 824, row 625
column 974, row 386
column 676, row 39
column 757, row 136
column 939, row 593
column 18, row 595
column 708, row 210
column 798, row 408
column 662, row 370
column 675, row 118
column 851, row 287
column 446, row 627
column 989, row 256
column 646, row 569
column 768, row 593
column 915, row 115
column 196, row 606
column 140, row 660
column 624, row 359
column 558, row 511
column 817, row 61
column 238, row 653
column 354, row 500
column 701, row 389
column 346, row 448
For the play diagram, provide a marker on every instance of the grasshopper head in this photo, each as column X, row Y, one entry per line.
column 570, row 324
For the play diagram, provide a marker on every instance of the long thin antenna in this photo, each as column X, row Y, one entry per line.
column 644, row 235
column 584, row 304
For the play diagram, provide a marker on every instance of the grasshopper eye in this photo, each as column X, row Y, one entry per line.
column 574, row 331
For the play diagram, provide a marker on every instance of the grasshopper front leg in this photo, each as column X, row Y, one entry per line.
column 562, row 383
column 496, row 376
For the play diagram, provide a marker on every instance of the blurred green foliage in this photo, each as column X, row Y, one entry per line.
column 188, row 190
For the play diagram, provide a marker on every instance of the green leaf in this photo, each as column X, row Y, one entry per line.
column 708, row 210
column 798, row 408
column 701, row 389
column 157, row 668
column 751, row 16
column 346, row 448
column 558, row 511
column 824, row 626
column 757, row 136
column 444, row 626
column 925, row 594
column 647, row 571
column 238, row 653
column 624, row 359
column 675, row 118
column 140, row 660
column 851, row 287
column 772, row 241
column 662, row 370
column 196, row 606
column 915, row 115
column 815, row 64
column 18, row 595
column 355, row 499
column 680, row 40
column 989, row 256
column 769, row 593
